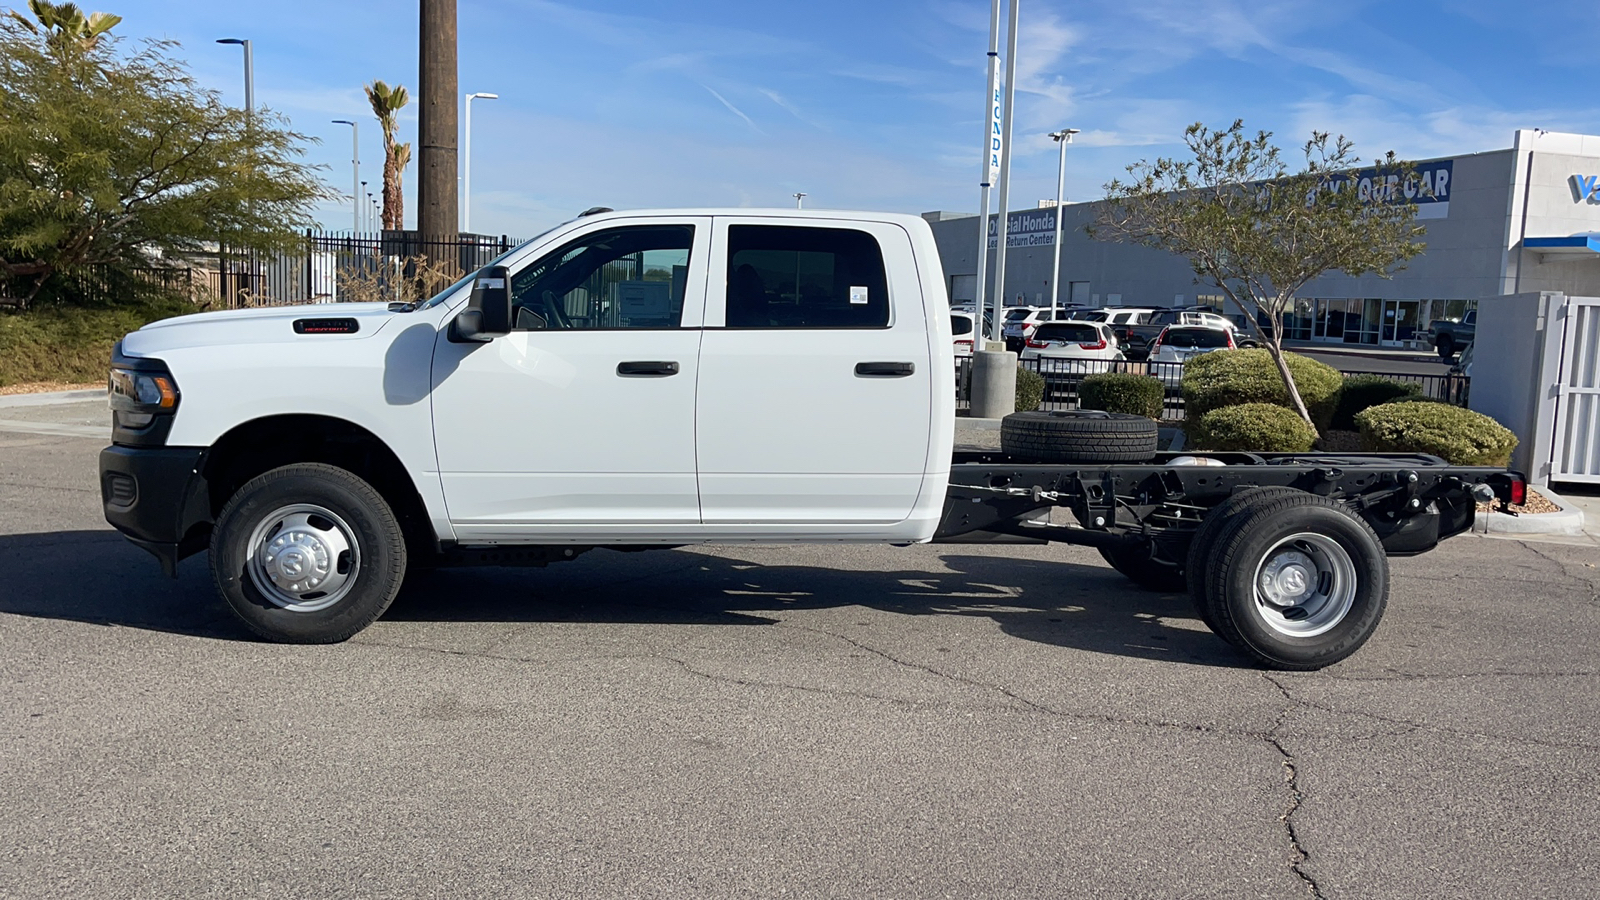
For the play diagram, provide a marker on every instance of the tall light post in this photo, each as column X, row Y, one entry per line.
column 1005, row 175
column 355, row 172
column 249, row 74
column 1062, row 137
column 466, row 161
column 991, row 160
column 799, row 199
column 364, row 206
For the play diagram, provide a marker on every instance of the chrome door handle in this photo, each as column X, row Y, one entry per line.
column 884, row 369
column 647, row 369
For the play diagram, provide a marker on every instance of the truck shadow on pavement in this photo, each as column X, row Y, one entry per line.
column 97, row 577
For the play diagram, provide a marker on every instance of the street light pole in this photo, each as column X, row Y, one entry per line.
column 799, row 200
column 466, row 161
column 355, row 171
column 1005, row 175
column 249, row 75
column 1062, row 137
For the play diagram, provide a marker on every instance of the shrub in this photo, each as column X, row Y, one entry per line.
column 1030, row 389
column 1231, row 377
column 1462, row 437
column 1361, row 392
column 1259, row 427
column 1123, row 392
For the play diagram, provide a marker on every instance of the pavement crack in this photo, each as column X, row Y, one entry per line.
column 1298, row 855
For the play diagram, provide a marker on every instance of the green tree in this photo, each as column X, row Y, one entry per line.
column 386, row 105
column 1258, row 232
column 111, row 160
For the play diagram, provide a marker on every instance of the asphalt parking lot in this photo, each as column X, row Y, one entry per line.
column 941, row 721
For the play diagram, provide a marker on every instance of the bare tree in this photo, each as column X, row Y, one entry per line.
column 1258, row 232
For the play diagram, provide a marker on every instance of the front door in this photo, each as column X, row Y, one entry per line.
column 815, row 390
column 579, row 425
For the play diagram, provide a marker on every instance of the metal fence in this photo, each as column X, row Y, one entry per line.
column 1063, row 378
column 337, row 267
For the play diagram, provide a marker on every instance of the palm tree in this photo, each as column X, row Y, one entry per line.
column 67, row 24
column 386, row 105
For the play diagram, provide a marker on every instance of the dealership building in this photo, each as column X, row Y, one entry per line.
column 1512, row 221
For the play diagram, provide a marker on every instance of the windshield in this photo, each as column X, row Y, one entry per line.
column 1098, row 315
column 1017, row 315
column 1204, row 338
column 1067, row 332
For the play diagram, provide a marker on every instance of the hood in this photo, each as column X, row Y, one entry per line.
column 255, row 326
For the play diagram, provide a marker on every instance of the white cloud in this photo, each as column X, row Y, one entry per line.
column 734, row 109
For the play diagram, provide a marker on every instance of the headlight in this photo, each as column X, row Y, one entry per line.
column 138, row 396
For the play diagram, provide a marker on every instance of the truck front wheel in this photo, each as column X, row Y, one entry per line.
column 1298, row 582
column 307, row 554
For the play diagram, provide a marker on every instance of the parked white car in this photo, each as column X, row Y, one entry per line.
column 1064, row 352
column 1020, row 321
column 1114, row 316
column 1177, row 344
column 963, row 329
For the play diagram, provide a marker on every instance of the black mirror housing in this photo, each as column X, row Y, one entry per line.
column 488, row 313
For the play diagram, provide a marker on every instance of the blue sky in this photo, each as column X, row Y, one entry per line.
column 877, row 104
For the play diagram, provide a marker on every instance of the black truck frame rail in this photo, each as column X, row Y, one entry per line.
column 1411, row 501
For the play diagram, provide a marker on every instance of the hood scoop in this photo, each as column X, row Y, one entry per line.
column 326, row 326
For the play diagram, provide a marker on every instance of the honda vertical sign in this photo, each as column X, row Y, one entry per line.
column 996, row 108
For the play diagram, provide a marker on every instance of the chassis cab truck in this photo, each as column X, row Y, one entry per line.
column 668, row 378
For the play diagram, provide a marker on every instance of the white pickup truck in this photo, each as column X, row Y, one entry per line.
column 666, row 378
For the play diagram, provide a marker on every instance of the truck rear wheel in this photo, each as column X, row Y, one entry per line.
column 1205, row 537
column 1080, row 435
column 1298, row 582
column 307, row 554
column 1446, row 345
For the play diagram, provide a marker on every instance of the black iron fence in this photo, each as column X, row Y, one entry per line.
column 1063, row 377
column 340, row 267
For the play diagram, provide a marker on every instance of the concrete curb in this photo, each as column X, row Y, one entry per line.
column 1568, row 521
column 50, row 398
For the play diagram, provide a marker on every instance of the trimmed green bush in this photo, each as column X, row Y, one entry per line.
column 1460, row 436
column 1123, row 392
column 1258, row 427
column 1362, row 392
column 1030, row 389
column 1231, row 377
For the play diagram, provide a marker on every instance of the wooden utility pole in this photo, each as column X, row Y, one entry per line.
column 436, row 126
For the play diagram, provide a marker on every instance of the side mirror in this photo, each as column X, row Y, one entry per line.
column 488, row 313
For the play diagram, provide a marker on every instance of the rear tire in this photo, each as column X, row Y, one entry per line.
column 1297, row 582
column 307, row 554
column 1446, row 345
column 1080, row 436
column 1205, row 538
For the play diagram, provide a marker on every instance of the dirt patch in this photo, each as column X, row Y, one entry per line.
column 40, row 387
column 1340, row 441
column 1536, row 503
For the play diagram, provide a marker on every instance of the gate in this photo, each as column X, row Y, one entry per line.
column 1575, row 449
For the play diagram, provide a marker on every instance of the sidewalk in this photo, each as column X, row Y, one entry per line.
column 1365, row 351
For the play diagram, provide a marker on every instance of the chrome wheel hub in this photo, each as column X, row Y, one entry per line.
column 303, row 558
column 1305, row 586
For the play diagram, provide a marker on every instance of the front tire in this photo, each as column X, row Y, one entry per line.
column 307, row 554
column 1298, row 582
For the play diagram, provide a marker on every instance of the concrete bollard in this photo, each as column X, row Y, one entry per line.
column 994, row 384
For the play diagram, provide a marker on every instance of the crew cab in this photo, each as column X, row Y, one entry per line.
column 665, row 378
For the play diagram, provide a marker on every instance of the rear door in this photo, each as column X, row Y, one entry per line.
column 816, row 393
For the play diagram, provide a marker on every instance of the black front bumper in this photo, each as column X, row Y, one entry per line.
column 157, row 498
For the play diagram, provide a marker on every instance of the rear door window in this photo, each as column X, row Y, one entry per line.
column 1205, row 338
column 960, row 325
column 1068, row 333
column 784, row 277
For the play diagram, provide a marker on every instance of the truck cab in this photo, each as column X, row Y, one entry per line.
column 649, row 378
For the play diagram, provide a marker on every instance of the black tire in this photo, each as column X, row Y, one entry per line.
column 1205, row 538
column 1446, row 345
column 1144, row 567
column 333, row 509
column 1080, row 435
column 1340, row 583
